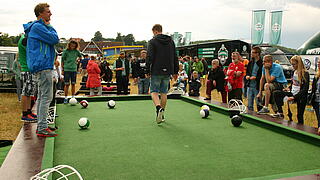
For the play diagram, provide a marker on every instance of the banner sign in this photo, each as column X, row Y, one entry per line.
column 257, row 27
column 275, row 27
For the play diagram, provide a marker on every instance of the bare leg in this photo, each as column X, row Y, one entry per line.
column 163, row 100
column 268, row 94
column 26, row 103
column 73, row 89
column 155, row 98
column 66, row 89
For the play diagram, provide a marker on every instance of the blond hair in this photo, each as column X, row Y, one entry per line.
column 215, row 61
column 268, row 57
column 301, row 69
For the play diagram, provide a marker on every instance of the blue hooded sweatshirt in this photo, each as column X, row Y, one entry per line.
column 40, row 45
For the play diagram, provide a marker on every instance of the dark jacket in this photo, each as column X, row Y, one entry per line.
column 218, row 76
column 312, row 96
column 259, row 73
column 141, row 68
column 162, row 58
column 194, row 87
column 134, row 67
column 119, row 65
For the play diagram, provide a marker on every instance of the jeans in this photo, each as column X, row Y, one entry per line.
column 143, row 85
column 252, row 95
column 44, row 79
column 159, row 84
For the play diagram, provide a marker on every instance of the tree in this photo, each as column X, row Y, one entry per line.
column 144, row 43
column 129, row 39
column 5, row 40
column 97, row 36
column 119, row 37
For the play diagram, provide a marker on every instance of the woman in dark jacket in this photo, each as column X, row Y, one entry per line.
column 297, row 91
column 216, row 81
column 315, row 95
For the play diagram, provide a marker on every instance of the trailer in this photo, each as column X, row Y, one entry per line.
column 7, row 78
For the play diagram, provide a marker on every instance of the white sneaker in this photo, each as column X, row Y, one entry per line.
column 264, row 110
column 160, row 115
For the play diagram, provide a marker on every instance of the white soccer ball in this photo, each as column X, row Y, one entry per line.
column 111, row 104
column 73, row 101
column 83, row 123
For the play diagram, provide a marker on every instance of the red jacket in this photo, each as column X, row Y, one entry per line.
column 93, row 75
column 236, row 82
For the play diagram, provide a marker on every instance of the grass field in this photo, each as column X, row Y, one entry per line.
column 10, row 112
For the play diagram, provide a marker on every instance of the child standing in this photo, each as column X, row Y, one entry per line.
column 182, row 78
column 93, row 80
column 216, row 81
column 69, row 67
column 194, row 84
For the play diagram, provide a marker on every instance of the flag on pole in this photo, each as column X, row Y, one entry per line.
column 176, row 38
column 257, row 29
column 187, row 39
column 275, row 27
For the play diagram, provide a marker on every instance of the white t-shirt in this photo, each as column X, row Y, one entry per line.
column 295, row 84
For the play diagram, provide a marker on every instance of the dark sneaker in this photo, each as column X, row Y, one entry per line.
column 160, row 114
column 264, row 110
column 34, row 115
column 46, row 133
column 65, row 101
column 51, row 128
column 28, row 118
column 207, row 98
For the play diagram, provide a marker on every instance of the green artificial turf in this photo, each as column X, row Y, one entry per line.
column 126, row 143
column 3, row 153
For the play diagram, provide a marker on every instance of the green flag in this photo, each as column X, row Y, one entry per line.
column 187, row 39
column 176, row 38
column 257, row 29
column 275, row 27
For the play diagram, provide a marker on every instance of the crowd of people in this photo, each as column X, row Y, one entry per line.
column 259, row 79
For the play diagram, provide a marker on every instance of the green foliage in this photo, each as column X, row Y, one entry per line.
column 119, row 37
column 129, row 39
column 143, row 43
column 5, row 40
column 97, row 36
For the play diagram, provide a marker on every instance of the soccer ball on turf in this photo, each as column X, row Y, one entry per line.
column 73, row 101
column 84, row 123
column 111, row 104
column 84, row 103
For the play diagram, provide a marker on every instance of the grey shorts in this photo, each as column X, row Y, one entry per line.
column 29, row 84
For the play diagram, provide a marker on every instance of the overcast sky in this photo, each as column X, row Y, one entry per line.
column 206, row 19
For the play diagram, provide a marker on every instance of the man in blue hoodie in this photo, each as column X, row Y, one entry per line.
column 41, row 38
column 162, row 61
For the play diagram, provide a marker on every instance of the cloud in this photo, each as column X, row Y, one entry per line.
column 206, row 19
column 312, row 3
